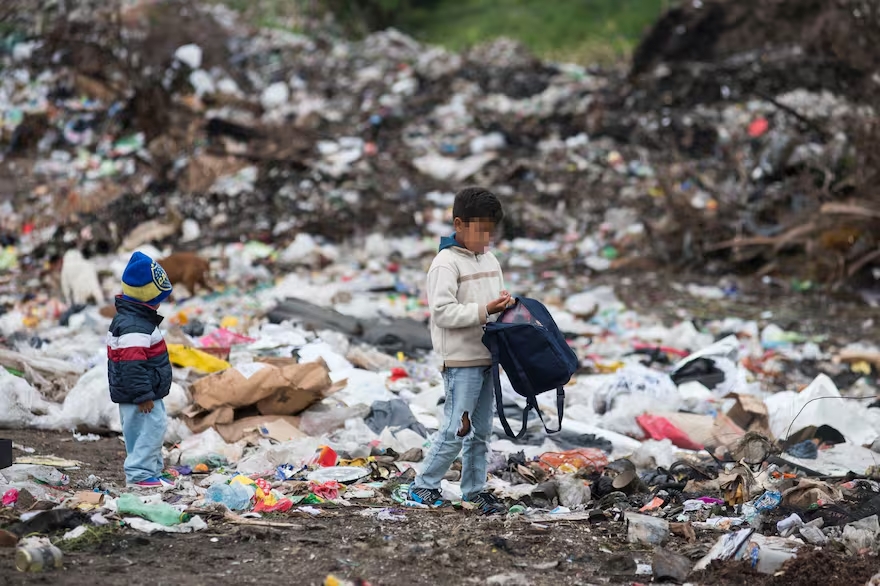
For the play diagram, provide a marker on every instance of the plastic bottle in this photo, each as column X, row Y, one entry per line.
column 36, row 558
column 236, row 496
column 161, row 513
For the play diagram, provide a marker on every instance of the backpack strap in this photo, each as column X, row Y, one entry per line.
column 560, row 407
column 499, row 402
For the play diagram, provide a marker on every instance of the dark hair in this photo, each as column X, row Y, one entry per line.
column 477, row 203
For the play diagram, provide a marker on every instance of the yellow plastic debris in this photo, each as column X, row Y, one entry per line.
column 861, row 367
column 187, row 357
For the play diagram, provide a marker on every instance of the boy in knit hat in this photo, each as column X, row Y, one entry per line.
column 139, row 370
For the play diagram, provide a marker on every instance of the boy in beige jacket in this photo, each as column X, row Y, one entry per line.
column 465, row 288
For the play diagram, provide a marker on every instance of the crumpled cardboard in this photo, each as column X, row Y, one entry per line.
column 275, row 390
column 271, row 426
column 750, row 413
column 307, row 384
column 809, row 492
column 199, row 420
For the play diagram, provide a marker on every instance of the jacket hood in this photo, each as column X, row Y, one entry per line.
column 451, row 242
column 135, row 308
column 448, row 242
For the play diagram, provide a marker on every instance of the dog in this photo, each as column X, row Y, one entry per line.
column 187, row 269
column 79, row 280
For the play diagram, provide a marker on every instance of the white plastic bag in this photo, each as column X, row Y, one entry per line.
column 857, row 424
column 21, row 405
column 88, row 402
column 637, row 383
column 572, row 491
column 207, row 446
column 363, row 386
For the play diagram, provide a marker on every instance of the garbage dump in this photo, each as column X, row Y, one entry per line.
column 309, row 179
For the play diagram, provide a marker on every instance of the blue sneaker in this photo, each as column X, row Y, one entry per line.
column 426, row 496
column 489, row 505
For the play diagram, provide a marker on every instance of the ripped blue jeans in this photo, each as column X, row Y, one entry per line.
column 467, row 422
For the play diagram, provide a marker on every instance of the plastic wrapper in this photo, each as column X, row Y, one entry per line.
column 572, row 491
column 660, row 428
column 640, row 384
column 196, row 359
column 576, row 459
column 21, row 405
column 208, row 447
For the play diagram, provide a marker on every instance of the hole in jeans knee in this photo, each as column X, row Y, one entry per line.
column 465, row 425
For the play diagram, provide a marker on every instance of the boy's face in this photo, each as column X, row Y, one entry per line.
column 475, row 235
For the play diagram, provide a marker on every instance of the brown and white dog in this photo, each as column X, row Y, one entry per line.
column 187, row 269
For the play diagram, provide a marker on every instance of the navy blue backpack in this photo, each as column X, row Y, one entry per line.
column 527, row 344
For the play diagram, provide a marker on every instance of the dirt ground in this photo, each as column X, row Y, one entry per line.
column 428, row 547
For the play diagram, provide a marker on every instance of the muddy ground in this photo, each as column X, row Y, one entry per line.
column 428, row 547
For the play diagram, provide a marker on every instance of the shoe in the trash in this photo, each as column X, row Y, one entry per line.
column 149, row 483
column 426, row 496
column 488, row 504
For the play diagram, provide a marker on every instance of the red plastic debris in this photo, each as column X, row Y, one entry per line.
column 660, row 428
column 758, row 127
column 397, row 374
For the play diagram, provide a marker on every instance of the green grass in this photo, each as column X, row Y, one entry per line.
column 582, row 31
column 89, row 539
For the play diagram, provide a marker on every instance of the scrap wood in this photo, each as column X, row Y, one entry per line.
column 862, row 262
column 849, row 356
column 850, row 210
column 777, row 242
column 42, row 364
column 236, row 520
column 550, row 518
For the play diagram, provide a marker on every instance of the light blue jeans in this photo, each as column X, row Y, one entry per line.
column 468, row 391
column 144, row 434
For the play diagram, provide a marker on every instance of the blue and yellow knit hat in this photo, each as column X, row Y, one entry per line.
column 145, row 281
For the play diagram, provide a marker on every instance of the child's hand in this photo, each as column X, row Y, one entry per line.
column 146, row 407
column 499, row 304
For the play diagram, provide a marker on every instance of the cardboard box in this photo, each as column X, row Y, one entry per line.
column 750, row 413
column 90, row 498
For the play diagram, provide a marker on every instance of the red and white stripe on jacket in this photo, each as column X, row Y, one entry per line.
column 135, row 346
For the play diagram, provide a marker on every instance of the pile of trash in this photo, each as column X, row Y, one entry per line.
column 170, row 122
column 283, row 405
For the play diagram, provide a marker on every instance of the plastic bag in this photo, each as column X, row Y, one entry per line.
column 318, row 421
column 572, row 491
column 641, row 383
column 21, row 405
column 194, row 358
column 576, row 459
column 335, row 361
column 652, row 454
column 660, row 428
column 223, row 338
column 354, row 439
column 208, row 447
column 88, row 402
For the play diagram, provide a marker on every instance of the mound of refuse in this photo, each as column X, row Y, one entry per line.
column 736, row 144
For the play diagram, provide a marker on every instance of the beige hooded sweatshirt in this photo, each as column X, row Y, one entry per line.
column 460, row 286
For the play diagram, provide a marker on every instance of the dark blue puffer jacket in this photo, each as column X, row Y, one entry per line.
column 137, row 359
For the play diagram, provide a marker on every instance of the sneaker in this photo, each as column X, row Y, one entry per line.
column 426, row 496
column 148, row 483
column 488, row 504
